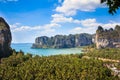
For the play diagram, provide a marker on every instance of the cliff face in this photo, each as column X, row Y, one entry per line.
column 107, row 38
column 62, row 41
column 5, row 39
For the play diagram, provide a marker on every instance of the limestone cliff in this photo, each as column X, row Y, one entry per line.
column 63, row 41
column 107, row 38
column 5, row 39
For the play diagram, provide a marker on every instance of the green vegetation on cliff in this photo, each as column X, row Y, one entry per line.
column 108, row 34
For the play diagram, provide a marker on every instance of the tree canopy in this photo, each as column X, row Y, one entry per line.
column 113, row 5
column 58, row 67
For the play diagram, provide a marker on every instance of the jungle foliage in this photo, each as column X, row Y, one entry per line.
column 108, row 53
column 57, row 67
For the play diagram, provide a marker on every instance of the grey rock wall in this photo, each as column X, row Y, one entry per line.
column 63, row 41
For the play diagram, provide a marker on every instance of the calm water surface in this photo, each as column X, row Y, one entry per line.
column 26, row 47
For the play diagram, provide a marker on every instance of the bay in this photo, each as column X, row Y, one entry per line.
column 26, row 48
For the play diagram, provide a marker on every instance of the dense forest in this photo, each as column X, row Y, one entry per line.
column 57, row 67
column 109, row 53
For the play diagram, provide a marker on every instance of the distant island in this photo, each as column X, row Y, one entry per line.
column 63, row 41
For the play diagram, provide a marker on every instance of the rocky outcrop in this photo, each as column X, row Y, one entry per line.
column 63, row 41
column 107, row 38
column 5, row 39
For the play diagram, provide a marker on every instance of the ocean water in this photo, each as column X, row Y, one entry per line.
column 26, row 47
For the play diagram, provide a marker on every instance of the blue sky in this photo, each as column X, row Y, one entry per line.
column 29, row 19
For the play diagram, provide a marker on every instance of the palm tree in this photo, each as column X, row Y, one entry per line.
column 113, row 5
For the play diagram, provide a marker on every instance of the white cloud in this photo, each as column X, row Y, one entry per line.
column 29, row 33
column 63, row 15
column 70, row 7
column 47, row 32
column 90, row 26
column 59, row 18
column 18, row 27
column 87, row 25
column 59, row 1
column 11, row 0
column 110, row 25
column 8, row 0
column 51, row 25
column 13, row 26
column 26, row 28
column 89, row 22
column 78, row 30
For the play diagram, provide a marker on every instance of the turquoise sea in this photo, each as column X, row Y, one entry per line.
column 26, row 47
